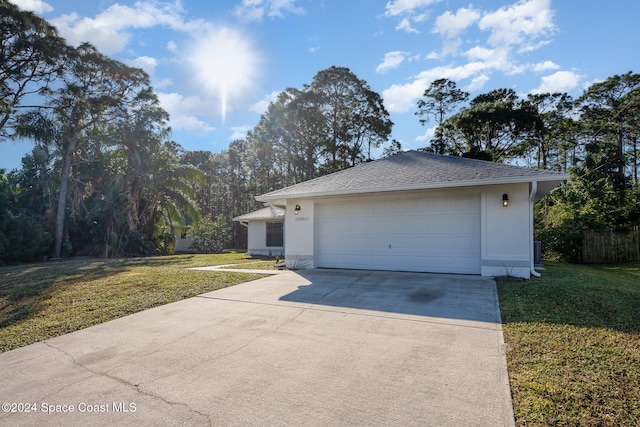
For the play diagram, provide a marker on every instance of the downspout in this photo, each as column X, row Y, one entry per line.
column 532, row 200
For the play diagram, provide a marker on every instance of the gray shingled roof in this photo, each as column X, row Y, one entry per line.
column 270, row 212
column 413, row 170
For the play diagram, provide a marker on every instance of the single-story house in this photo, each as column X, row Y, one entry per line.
column 265, row 231
column 413, row 211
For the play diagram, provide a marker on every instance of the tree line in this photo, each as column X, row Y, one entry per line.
column 594, row 138
column 105, row 178
column 102, row 178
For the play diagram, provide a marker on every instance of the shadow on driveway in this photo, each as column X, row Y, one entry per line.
column 422, row 294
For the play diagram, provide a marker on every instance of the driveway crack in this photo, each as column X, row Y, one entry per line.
column 136, row 387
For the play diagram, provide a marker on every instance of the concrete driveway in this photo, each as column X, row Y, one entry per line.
column 317, row 347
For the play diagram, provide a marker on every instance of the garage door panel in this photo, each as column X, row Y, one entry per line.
column 381, row 209
column 379, row 223
column 465, row 245
column 441, row 223
column 438, row 234
column 466, row 223
column 421, row 205
column 385, row 227
column 466, row 205
column 440, row 242
column 442, row 205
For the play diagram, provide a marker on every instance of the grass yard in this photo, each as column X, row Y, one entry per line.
column 255, row 265
column 574, row 345
column 40, row 301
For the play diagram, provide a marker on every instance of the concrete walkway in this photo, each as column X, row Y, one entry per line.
column 317, row 347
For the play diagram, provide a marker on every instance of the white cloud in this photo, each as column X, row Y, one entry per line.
column 450, row 25
column 405, row 25
column 449, row 47
column 428, row 135
column 391, row 60
column 477, row 82
column 401, row 98
column 172, row 47
column 37, row 6
column 190, row 123
column 409, row 11
column 479, row 53
column 261, row 106
column 184, row 110
column 250, row 10
column 511, row 30
column 147, row 63
column 498, row 58
column 545, row 66
column 255, row 10
column 162, row 83
column 108, row 30
column 561, row 81
column 239, row 132
column 405, row 7
column 77, row 30
column 519, row 24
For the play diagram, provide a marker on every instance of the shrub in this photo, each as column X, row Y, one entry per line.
column 23, row 238
column 210, row 236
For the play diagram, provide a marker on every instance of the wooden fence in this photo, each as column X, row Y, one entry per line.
column 609, row 247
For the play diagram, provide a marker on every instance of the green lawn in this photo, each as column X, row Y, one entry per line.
column 573, row 339
column 39, row 301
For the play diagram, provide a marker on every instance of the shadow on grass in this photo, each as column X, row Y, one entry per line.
column 23, row 287
column 581, row 295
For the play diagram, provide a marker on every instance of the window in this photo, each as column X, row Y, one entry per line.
column 274, row 234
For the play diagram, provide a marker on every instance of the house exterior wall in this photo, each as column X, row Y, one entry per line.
column 506, row 234
column 257, row 240
column 299, row 234
column 183, row 244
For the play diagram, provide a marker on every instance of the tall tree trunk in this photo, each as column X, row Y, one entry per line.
column 62, row 198
column 635, row 160
column 621, row 167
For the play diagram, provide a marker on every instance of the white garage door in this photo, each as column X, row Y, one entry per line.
column 431, row 234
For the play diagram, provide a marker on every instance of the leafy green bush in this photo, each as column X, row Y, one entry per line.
column 210, row 236
column 23, row 238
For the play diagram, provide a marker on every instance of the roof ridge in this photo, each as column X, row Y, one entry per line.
column 415, row 169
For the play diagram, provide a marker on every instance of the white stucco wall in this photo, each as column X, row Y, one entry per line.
column 257, row 240
column 298, row 234
column 506, row 232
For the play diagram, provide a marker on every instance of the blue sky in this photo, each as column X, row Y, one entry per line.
column 215, row 65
